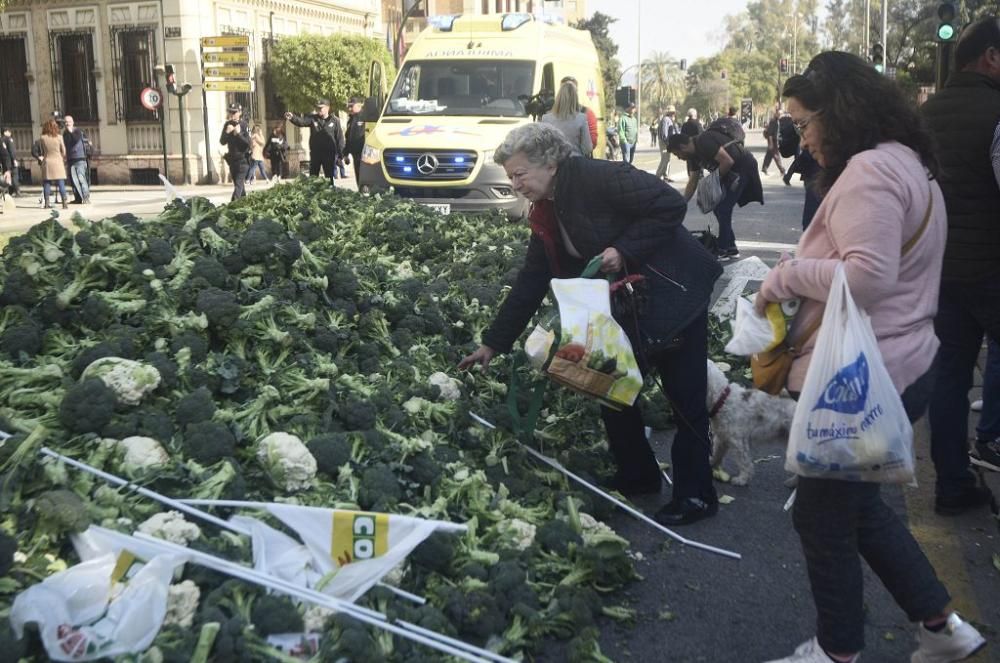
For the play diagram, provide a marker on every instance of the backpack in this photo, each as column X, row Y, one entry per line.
column 730, row 127
column 788, row 138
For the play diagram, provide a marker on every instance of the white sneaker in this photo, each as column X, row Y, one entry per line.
column 977, row 406
column 809, row 652
column 956, row 642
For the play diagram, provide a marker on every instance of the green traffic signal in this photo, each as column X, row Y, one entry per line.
column 945, row 31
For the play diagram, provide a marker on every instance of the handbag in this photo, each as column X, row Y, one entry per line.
column 709, row 193
column 770, row 369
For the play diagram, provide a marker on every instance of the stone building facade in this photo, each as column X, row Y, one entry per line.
column 92, row 60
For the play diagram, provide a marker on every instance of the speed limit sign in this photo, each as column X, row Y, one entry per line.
column 151, row 98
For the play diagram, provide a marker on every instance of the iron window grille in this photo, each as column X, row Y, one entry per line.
column 274, row 106
column 74, row 86
column 133, row 51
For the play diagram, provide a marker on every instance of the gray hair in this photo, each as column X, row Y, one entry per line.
column 693, row 113
column 541, row 144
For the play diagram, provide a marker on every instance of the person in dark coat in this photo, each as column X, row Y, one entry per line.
column 7, row 141
column 77, row 164
column 326, row 138
column 277, row 151
column 737, row 168
column 808, row 170
column 355, row 134
column 236, row 138
column 582, row 208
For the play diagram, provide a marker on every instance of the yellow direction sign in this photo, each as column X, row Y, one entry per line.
column 236, row 58
column 226, row 41
column 227, row 86
column 227, row 72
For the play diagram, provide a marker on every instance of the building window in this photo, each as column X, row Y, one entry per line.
column 133, row 52
column 486, row 7
column 499, row 6
column 15, row 107
column 74, row 87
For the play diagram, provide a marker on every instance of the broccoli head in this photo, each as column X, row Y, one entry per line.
column 261, row 240
column 341, row 281
column 331, row 452
column 96, row 313
column 195, row 407
column 475, row 613
column 61, row 511
column 158, row 251
column 208, row 442
column 18, row 289
column 276, row 614
column 219, row 306
column 555, row 535
column 87, row 406
column 195, row 343
column 436, row 553
column 211, row 270
column 22, row 340
column 379, row 489
column 357, row 414
column 424, row 470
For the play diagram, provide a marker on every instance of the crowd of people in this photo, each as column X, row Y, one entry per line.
column 903, row 200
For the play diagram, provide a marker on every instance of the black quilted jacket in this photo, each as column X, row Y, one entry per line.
column 610, row 203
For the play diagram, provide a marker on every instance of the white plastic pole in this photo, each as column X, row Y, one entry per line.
column 638, row 514
column 322, row 600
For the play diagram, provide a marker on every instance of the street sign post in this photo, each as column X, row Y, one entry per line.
column 227, row 66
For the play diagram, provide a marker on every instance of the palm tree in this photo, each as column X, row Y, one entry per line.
column 663, row 82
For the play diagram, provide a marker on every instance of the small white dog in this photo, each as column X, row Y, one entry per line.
column 738, row 415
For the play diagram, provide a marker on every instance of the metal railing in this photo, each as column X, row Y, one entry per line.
column 143, row 138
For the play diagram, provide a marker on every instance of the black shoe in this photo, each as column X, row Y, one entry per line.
column 987, row 455
column 972, row 497
column 632, row 488
column 685, row 511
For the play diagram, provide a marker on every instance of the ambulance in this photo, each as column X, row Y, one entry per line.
column 466, row 82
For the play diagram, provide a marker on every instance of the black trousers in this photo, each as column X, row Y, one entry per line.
column 325, row 160
column 841, row 522
column 238, row 167
column 683, row 375
column 356, row 162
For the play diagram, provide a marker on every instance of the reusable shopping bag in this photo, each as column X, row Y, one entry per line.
column 849, row 422
column 585, row 349
column 753, row 333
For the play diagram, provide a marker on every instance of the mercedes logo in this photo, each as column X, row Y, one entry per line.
column 427, row 163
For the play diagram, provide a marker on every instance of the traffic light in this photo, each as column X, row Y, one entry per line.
column 878, row 54
column 783, row 65
column 624, row 96
column 684, row 64
column 946, row 28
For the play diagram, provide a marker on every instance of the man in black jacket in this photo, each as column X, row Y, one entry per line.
column 7, row 141
column 965, row 119
column 714, row 150
column 77, row 163
column 355, row 135
column 236, row 138
column 583, row 208
column 326, row 138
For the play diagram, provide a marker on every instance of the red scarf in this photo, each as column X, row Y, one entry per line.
column 544, row 224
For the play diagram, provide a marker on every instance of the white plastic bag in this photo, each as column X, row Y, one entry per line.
column 753, row 333
column 106, row 606
column 591, row 353
column 849, row 422
column 709, row 193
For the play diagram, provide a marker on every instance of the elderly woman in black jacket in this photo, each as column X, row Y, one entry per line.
column 583, row 208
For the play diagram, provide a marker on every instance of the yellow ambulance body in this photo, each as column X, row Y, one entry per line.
column 464, row 84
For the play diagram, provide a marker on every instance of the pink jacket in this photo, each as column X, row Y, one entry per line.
column 876, row 206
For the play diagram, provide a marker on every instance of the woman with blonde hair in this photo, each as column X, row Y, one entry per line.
column 567, row 117
column 256, row 154
column 53, row 162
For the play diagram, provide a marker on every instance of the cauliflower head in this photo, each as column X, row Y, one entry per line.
column 170, row 526
column 517, row 533
column 287, row 461
column 449, row 386
column 130, row 380
column 182, row 604
column 141, row 454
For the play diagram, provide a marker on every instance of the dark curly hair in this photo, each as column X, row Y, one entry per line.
column 860, row 108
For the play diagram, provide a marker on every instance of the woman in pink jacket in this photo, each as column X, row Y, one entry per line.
column 883, row 218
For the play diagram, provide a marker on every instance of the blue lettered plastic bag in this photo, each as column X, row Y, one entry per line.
column 849, row 422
